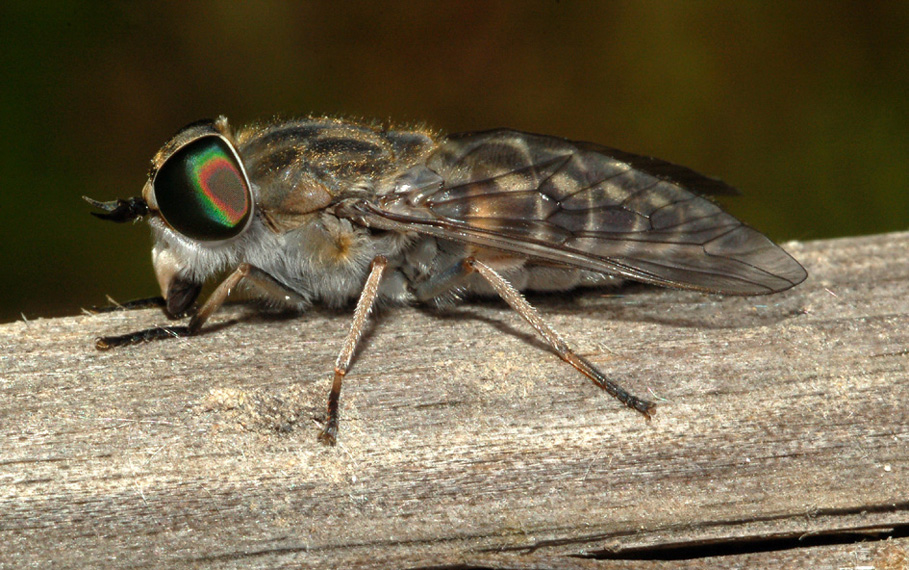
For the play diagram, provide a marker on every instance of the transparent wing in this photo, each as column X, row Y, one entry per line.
column 586, row 206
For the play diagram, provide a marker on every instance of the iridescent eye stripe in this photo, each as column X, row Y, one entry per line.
column 219, row 202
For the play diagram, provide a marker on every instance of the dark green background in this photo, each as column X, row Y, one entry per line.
column 804, row 106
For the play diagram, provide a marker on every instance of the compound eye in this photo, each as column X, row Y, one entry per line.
column 202, row 191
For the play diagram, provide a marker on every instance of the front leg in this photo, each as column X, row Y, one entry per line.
column 181, row 294
column 245, row 273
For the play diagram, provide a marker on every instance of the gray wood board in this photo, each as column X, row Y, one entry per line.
column 465, row 441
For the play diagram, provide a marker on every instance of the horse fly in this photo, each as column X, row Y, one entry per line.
column 323, row 210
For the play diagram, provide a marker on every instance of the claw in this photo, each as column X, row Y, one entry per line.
column 329, row 435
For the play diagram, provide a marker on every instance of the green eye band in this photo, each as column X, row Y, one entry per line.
column 202, row 191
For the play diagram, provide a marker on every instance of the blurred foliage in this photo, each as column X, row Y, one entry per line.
column 801, row 105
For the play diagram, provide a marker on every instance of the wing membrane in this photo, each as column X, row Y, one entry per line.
column 590, row 207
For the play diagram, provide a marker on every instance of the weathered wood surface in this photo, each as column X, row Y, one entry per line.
column 782, row 439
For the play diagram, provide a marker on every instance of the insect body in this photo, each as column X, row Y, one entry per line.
column 326, row 211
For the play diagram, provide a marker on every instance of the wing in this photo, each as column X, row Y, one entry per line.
column 586, row 206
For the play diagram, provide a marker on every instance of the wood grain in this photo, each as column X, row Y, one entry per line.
column 781, row 440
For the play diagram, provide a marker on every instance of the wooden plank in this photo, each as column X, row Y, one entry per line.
column 464, row 441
